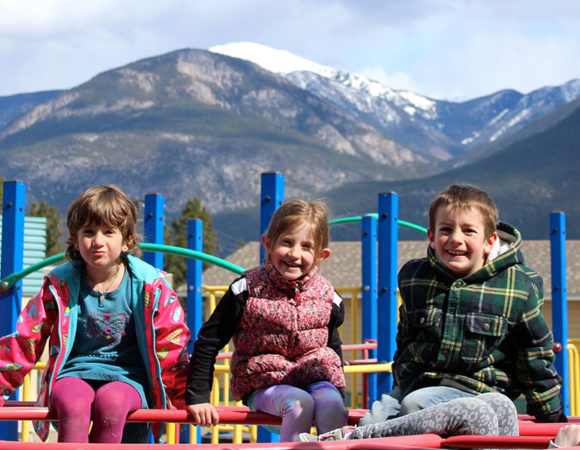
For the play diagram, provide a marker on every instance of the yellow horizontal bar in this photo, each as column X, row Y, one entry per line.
column 355, row 368
column 368, row 368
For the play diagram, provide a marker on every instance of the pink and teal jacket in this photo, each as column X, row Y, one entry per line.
column 51, row 316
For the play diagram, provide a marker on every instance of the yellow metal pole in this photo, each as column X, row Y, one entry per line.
column 25, row 436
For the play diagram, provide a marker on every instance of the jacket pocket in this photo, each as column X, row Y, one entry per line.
column 424, row 335
column 483, row 334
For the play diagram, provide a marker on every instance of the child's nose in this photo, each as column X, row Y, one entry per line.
column 99, row 239
column 455, row 236
column 294, row 251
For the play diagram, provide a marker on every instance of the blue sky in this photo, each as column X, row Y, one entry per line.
column 445, row 49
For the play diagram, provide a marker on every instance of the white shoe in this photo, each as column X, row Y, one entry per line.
column 339, row 434
column 307, row 437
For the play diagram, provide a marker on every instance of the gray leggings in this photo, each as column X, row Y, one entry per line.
column 490, row 414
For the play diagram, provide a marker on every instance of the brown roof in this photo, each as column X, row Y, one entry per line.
column 343, row 268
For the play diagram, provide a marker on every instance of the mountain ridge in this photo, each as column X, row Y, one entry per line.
column 206, row 111
column 505, row 111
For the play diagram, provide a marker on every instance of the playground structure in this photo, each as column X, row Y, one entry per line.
column 378, row 296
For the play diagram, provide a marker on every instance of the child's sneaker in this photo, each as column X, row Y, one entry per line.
column 307, row 437
column 338, row 434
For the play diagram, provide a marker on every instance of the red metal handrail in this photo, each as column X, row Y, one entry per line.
column 393, row 443
column 228, row 414
column 532, row 434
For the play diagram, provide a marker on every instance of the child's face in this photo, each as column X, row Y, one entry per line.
column 460, row 240
column 100, row 246
column 294, row 252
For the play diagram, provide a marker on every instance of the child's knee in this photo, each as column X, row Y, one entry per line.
column 332, row 407
column 499, row 401
column 74, row 407
column 299, row 405
column 412, row 403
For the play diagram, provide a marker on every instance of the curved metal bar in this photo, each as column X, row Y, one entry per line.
column 8, row 282
column 376, row 216
column 12, row 279
column 193, row 254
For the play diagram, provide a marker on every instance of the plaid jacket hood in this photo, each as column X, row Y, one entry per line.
column 481, row 333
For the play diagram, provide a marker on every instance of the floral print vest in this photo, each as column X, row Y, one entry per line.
column 282, row 336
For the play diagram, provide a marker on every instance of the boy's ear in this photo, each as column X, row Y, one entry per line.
column 488, row 245
column 431, row 237
column 324, row 253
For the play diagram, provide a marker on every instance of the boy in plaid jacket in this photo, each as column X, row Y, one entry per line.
column 471, row 318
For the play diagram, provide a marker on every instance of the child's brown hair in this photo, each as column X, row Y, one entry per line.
column 102, row 205
column 293, row 213
column 465, row 196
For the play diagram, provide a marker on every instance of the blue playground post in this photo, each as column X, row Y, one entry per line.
column 13, row 210
column 154, row 225
column 271, row 198
column 388, row 232
column 194, row 298
column 194, row 270
column 369, row 293
column 559, row 300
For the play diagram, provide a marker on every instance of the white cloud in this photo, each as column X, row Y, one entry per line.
column 439, row 48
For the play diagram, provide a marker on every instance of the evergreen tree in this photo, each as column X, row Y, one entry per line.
column 54, row 226
column 177, row 236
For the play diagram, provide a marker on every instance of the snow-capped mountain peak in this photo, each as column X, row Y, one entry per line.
column 285, row 62
column 274, row 60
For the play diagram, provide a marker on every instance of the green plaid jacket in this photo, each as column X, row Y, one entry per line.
column 482, row 333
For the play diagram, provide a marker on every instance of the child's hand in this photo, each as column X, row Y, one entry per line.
column 204, row 414
column 568, row 436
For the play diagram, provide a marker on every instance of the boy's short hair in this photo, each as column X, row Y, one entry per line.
column 465, row 196
column 294, row 212
column 102, row 205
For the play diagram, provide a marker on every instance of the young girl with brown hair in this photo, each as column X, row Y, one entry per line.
column 284, row 318
column 115, row 329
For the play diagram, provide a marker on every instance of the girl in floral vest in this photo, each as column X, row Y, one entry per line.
column 115, row 329
column 283, row 317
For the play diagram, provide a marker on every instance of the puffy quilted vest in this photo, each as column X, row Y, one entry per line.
column 282, row 336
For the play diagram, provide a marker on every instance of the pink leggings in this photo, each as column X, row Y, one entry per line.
column 76, row 401
column 320, row 403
